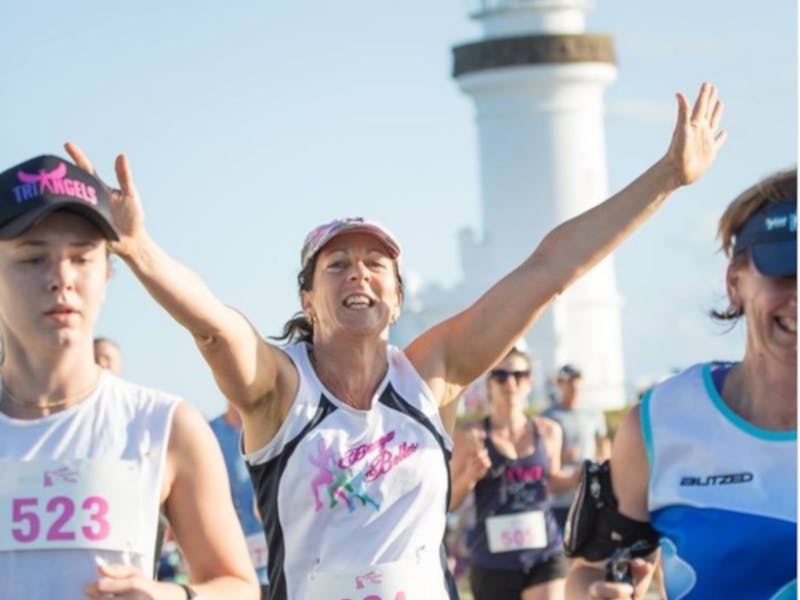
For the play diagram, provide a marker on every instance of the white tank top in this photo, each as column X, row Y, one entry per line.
column 79, row 486
column 354, row 501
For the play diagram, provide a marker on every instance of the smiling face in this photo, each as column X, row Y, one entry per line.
column 770, row 308
column 355, row 288
column 52, row 283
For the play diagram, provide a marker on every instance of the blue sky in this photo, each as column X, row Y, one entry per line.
column 248, row 123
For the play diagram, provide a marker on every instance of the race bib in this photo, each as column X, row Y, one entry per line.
column 521, row 531
column 257, row 546
column 46, row 504
column 389, row 581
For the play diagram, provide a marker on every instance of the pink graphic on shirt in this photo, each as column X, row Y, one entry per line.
column 325, row 477
column 373, row 460
column 63, row 473
column 34, row 185
column 371, row 577
column 519, row 473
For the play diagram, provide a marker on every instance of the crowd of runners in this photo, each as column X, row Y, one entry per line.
column 332, row 472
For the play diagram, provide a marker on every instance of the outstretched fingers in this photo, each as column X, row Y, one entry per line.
column 700, row 111
column 683, row 109
column 78, row 157
column 124, row 175
column 716, row 114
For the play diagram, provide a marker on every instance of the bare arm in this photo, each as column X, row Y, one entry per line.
column 468, row 465
column 447, row 355
column 246, row 368
column 559, row 481
column 602, row 448
column 201, row 513
column 629, row 477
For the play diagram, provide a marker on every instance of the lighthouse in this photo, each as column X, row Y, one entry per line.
column 537, row 80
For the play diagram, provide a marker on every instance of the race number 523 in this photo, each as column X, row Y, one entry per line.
column 58, row 512
column 86, row 503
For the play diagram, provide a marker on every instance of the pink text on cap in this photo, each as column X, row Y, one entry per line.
column 55, row 182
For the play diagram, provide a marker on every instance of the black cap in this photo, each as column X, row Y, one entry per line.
column 35, row 188
column 568, row 372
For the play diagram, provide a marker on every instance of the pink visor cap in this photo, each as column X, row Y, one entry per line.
column 323, row 234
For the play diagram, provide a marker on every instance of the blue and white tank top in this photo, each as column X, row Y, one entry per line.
column 722, row 494
column 79, row 486
column 356, row 498
column 514, row 488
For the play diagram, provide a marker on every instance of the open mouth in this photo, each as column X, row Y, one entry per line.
column 787, row 324
column 358, row 301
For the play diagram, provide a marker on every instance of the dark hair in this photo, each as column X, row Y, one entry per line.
column 300, row 328
column 774, row 188
column 106, row 340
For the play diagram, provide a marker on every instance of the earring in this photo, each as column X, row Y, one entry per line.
column 732, row 312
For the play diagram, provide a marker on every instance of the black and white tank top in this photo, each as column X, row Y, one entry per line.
column 354, row 501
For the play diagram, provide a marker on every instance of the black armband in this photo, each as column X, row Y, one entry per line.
column 595, row 528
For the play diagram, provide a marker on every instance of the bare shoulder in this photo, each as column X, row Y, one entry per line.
column 190, row 439
column 548, row 427
column 187, row 424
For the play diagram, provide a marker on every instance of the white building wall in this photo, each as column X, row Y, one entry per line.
column 541, row 141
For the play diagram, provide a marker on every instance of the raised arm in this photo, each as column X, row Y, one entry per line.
column 447, row 355
column 245, row 367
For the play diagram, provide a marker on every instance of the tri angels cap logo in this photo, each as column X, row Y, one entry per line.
column 35, row 185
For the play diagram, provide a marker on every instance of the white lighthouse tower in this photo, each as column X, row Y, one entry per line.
column 537, row 81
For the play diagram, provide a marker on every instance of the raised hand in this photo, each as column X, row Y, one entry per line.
column 126, row 208
column 477, row 462
column 696, row 139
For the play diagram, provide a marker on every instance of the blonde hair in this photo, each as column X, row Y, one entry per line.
column 774, row 188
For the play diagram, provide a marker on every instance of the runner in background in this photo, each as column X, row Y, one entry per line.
column 585, row 435
column 228, row 429
column 512, row 462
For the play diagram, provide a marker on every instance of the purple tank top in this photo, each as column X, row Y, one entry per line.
column 509, row 487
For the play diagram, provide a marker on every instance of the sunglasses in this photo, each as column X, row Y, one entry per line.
column 501, row 375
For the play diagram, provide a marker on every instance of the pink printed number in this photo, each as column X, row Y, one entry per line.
column 399, row 596
column 55, row 532
column 516, row 538
column 98, row 517
column 24, row 511
column 19, row 514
